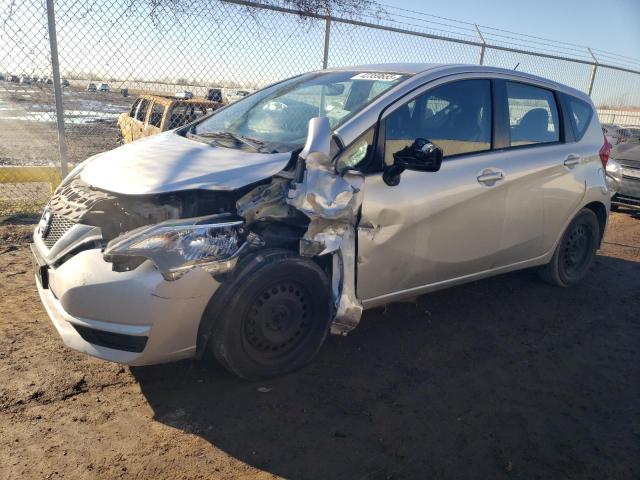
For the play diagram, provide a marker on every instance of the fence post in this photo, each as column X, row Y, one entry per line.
column 327, row 31
column 594, row 69
column 57, row 88
column 483, row 45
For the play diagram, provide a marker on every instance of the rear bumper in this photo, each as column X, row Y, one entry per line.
column 135, row 318
column 625, row 201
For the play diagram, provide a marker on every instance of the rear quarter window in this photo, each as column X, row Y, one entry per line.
column 581, row 114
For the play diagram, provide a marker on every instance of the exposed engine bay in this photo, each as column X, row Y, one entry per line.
column 307, row 207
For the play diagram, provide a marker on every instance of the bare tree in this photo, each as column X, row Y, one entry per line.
column 344, row 8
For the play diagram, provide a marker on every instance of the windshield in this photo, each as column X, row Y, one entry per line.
column 276, row 119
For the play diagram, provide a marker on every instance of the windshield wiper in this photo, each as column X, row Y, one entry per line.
column 253, row 143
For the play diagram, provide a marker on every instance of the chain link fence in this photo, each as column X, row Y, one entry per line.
column 111, row 52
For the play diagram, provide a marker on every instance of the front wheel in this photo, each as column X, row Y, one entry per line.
column 575, row 252
column 276, row 318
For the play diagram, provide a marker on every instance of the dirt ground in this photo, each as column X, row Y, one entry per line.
column 506, row 377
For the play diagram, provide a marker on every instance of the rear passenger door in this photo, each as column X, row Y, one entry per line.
column 542, row 178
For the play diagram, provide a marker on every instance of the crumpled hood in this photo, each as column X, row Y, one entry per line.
column 168, row 162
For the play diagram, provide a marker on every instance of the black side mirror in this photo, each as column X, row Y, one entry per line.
column 421, row 155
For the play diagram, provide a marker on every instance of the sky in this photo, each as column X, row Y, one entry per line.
column 611, row 25
column 218, row 44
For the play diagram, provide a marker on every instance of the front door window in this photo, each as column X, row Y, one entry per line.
column 455, row 116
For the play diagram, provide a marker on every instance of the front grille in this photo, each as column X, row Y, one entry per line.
column 59, row 226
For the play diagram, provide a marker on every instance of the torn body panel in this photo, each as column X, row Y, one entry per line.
column 332, row 203
column 320, row 209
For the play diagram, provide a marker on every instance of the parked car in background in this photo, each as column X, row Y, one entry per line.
column 237, row 95
column 65, row 82
column 626, row 173
column 214, row 94
column 26, row 80
column 91, row 87
column 615, row 134
column 253, row 232
column 48, row 81
column 13, row 78
column 613, row 172
column 1, row 76
column 103, row 87
column 184, row 95
column 634, row 134
column 152, row 114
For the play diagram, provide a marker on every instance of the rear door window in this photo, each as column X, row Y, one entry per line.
column 581, row 113
column 142, row 110
column 455, row 116
column 533, row 115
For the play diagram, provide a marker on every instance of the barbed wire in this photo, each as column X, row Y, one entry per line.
column 575, row 47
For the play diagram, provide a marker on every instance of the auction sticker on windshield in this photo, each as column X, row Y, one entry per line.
column 382, row 77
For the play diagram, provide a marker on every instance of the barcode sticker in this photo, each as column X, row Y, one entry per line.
column 382, row 77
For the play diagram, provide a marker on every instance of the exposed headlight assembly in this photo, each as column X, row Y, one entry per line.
column 177, row 246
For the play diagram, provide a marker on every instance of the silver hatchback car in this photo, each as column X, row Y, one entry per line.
column 256, row 230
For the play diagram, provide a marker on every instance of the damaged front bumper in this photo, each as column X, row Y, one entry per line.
column 136, row 317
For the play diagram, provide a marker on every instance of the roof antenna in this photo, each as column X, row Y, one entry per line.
column 517, row 65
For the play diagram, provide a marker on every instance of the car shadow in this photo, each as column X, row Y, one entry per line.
column 506, row 376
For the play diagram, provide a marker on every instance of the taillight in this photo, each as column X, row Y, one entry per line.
column 604, row 152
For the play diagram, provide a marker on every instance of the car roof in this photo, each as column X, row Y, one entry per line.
column 166, row 100
column 418, row 70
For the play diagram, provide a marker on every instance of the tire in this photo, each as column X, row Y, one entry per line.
column 276, row 315
column 575, row 251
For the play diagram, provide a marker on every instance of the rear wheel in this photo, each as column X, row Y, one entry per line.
column 574, row 254
column 276, row 318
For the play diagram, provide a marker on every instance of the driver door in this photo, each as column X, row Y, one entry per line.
column 432, row 228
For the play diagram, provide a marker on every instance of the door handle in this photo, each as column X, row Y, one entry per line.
column 490, row 177
column 572, row 160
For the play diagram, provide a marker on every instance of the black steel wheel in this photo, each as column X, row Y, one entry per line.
column 271, row 316
column 575, row 251
column 278, row 321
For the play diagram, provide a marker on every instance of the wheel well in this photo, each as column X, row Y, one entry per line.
column 601, row 213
